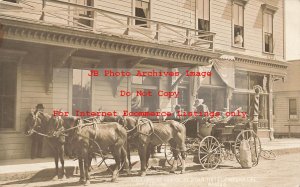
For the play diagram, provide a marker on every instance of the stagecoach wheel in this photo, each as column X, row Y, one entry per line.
column 210, row 153
column 107, row 159
column 254, row 142
column 170, row 157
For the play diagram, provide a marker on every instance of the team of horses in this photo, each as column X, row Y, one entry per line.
column 88, row 139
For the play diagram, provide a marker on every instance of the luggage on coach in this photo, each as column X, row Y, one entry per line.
column 245, row 154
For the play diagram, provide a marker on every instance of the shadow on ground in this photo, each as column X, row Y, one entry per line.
column 104, row 175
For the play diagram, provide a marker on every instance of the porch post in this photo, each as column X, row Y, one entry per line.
column 271, row 127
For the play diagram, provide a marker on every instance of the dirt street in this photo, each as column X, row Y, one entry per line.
column 282, row 172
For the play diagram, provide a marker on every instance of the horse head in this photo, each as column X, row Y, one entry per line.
column 55, row 124
column 33, row 122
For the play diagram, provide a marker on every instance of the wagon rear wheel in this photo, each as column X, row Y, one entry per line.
column 168, row 150
column 254, row 142
column 209, row 153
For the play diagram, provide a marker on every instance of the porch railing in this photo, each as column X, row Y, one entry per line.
column 99, row 21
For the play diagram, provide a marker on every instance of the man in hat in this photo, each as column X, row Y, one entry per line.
column 37, row 140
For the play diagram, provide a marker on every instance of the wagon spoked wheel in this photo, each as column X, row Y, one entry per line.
column 107, row 159
column 254, row 142
column 168, row 150
column 210, row 152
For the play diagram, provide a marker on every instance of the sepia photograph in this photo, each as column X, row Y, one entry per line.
column 150, row 93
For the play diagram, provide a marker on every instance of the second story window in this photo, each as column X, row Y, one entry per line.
column 84, row 16
column 268, row 32
column 238, row 25
column 142, row 10
column 203, row 15
column 268, row 37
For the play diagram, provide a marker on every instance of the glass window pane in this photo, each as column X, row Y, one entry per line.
column 292, row 106
column 81, row 93
column 206, row 9
column 200, row 9
column 256, row 79
column 76, row 77
column 241, row 16
column 236, row 14
column 8, row 81
column 266, row 23
column 239, row 100
column 241, row 80
column 270, row 28
column 271, row 42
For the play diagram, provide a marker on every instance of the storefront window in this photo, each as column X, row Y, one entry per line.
column 8, row 80
column 241, row 80
column 256, row 79
column 81, row 90
column 214, row 98
column 240, row 100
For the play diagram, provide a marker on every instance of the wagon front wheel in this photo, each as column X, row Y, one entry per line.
column 254, row 143
column 209, row 152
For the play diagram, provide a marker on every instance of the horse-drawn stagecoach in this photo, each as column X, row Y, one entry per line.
column 218, row 140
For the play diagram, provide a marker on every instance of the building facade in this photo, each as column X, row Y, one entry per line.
column 48, row 47
column 287, row 103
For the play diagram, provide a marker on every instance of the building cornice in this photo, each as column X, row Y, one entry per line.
column 67, row 37
column 257, row 64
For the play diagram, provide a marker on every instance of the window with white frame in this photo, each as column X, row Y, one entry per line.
column 142, row 10
column 238, row 24
column 268, row 32
column 293, row 109
column 203, row 14
column 268, row 35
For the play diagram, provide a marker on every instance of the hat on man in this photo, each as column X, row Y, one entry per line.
column 39, row 106
column 198, row 102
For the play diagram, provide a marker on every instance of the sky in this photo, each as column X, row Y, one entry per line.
column 292, row 29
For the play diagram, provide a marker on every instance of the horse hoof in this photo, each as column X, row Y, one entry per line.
column 81, row 181
column 87, row 182
column 55, row 178
column 143, row 174
column 113, row 179
column 64, row 177
column 182, row 171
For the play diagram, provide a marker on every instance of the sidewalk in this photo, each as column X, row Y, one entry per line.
column 44, row 167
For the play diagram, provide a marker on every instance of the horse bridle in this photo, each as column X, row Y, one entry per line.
column 32, row 129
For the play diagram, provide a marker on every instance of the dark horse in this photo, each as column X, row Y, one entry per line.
column 52, row 128
column 92, row 138
column 148, row 134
